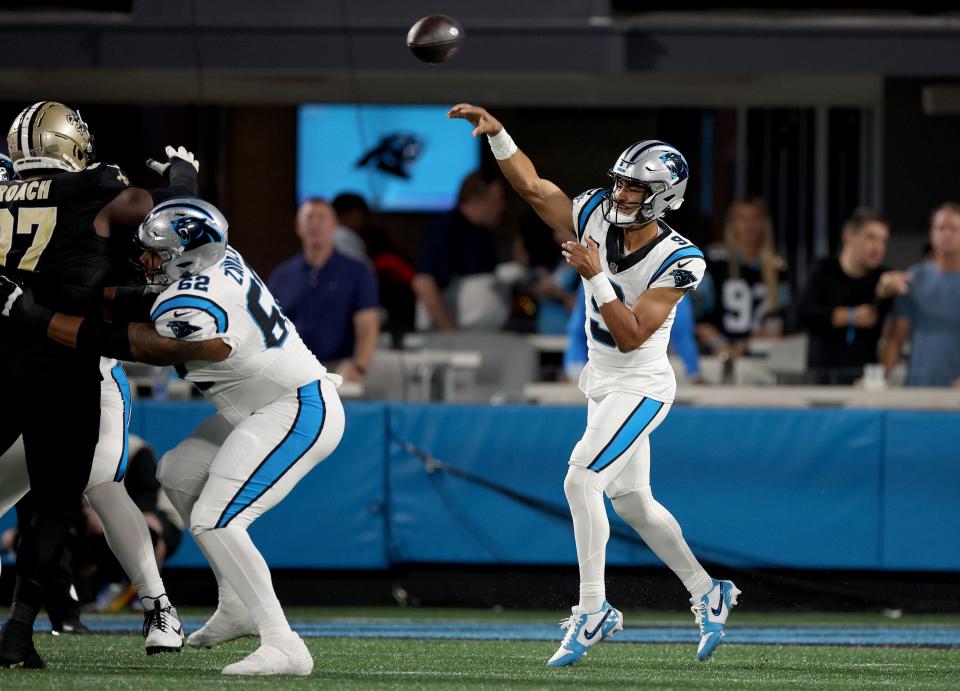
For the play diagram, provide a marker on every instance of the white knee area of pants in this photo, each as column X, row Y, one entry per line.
column 580, row 481
column 635, row 507
column 202, row 520
column 662, row 534
column 582, row 454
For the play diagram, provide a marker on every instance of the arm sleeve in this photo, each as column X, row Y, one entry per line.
column 684, row 268
column 187, row 317
column 182, row 178
column 682, row 337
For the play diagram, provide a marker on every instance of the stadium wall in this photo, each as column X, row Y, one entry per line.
column 442, row 484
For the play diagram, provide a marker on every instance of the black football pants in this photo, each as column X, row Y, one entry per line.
column 59, row 419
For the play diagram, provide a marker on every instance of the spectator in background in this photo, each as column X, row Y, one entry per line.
column 331, row 298
column 745, row 291
column 847, row 299
column 352, row 217
column 456, row 280
column 929, row 315
column 391, row 263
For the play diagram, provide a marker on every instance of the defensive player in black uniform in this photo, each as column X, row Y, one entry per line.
column 55, row 226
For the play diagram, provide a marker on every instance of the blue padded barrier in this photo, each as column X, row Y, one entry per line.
column 749, row 487
column 921, row 491
column 822, row 488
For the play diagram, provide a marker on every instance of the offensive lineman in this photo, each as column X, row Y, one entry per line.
column 55, row 228
column 279, row 413
column 635, row 270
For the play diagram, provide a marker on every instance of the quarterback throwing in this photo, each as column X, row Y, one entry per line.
column 635, row 270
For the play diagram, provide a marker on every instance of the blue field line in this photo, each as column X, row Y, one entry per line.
column 920, row 636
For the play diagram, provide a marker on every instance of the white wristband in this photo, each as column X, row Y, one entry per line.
column 602, row 289
column 502, row 145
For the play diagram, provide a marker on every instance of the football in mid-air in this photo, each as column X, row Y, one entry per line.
column 435, row 38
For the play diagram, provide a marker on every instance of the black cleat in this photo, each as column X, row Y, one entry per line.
column 16, row 647
column 71, row 626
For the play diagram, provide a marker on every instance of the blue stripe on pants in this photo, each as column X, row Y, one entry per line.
column 311, row 413
column 120, row 377
column 629, row 432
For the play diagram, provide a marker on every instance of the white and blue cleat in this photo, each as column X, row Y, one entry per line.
column 585, row 629
column 710, row 613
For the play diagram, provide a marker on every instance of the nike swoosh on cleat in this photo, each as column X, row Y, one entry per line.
column 590, row 634
column 716, row 612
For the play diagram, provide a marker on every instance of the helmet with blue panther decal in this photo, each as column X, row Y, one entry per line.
column 188, row 234
column 7, row 173
column 659, row 169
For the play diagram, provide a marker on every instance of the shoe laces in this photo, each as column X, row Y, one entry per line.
column 699, row 614
column 157, row 618
column 570, row 624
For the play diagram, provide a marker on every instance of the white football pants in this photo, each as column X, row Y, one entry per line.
column 613, row 457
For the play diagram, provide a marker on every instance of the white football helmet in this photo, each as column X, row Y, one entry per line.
column 658, row 167
column 189, row 234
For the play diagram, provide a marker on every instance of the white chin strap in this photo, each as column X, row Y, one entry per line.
column 612, row 214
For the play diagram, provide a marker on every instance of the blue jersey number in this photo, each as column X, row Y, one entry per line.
column 599, row 333
column 269, row 319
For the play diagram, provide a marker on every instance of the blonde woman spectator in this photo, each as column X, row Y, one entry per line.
column 745, row 290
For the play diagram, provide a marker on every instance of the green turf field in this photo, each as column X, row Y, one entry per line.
column 118, row 661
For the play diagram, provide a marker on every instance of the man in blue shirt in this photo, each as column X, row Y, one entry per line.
column 331, row 298
column 929, row 315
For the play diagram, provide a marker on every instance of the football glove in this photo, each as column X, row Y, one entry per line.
column 172, row 154
column 17, row 303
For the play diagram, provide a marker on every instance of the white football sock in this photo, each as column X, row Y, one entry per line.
column 244, row 568
column 126, row 532
column 183, row 503
column 660, row 530
column 591, row 530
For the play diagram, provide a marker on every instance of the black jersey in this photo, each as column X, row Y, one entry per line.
column 741, row 303
column 47, row 241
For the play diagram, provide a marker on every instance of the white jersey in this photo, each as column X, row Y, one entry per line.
column 669, row 261
column 229, row 301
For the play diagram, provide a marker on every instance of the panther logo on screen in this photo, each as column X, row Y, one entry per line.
column 394, row 154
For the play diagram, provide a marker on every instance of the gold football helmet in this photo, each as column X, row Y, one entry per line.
column 49, row 135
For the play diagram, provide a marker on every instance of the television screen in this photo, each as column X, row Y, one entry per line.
column 398, row 157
